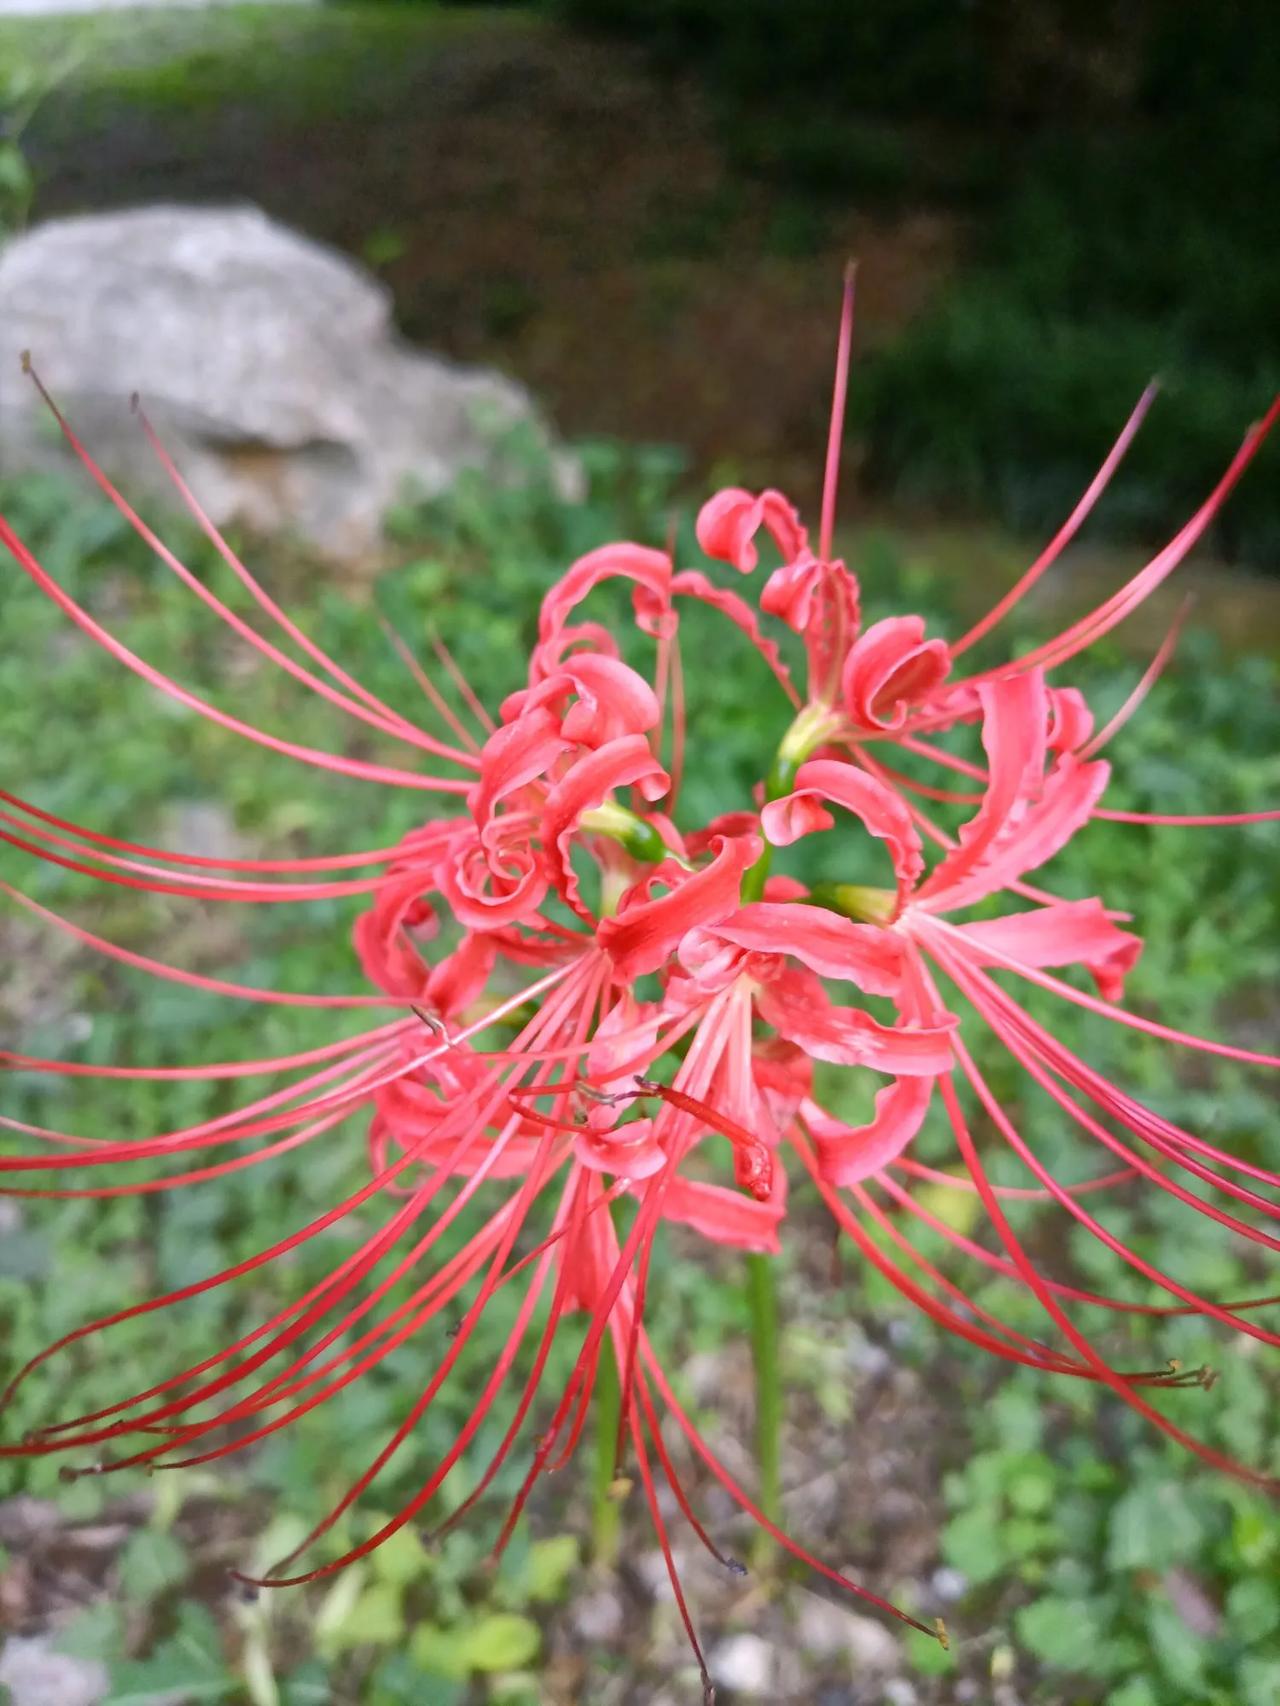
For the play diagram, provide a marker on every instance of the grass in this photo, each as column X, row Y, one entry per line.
column 1076, row 1533
column 305, row 60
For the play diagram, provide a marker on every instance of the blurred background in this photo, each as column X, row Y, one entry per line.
column 428, row 299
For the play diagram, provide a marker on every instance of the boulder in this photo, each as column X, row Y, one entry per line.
column 35, row 1674
column 268, row 364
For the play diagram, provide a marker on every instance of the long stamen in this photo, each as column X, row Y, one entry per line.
column 1066, row 532
column 753, row 1164
column 334, row 762
column 835, row 432
column 1154, row 670
column 382, row 717
column 330, row 862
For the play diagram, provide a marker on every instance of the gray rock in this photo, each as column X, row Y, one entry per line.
column 25, row 1518
column 36, row 1675
column 871, row 1646
column 948, row 1584
column 821, row 1628
column 827, row 1630
column 743, row 1663
column 899, row 1692
column 268, row 365
column 598, row 1617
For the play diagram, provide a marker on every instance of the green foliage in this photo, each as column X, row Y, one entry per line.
column 21, row 90
column 1006, row 405
column 1076, row 1534
column 232, row 56
column 1117, row 211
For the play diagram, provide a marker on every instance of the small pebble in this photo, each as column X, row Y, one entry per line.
column 948, row 1584
column 743, row 1663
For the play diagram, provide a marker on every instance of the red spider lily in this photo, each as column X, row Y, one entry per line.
column 556, row 898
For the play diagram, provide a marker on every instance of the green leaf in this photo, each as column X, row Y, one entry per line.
column 189, row 1666
column 550, row 1564
column 1260, row 1682
column 309, row 1685
column 401, row 1559
column 440, row 1652
column 151, row 1563
column 15, row 174
column 94, row 1633
column 1254, row 1535
column 337, row 1606
column 1060, row 1631
column 376, row 1619
column 1136, row 1692
column 1179, row 1652
column 928, row 1657
column 503, row 1641
column 1153, row 1526
column 398, row 1681
column 959, row 1209
column 970, row 1544
column 1253, row 1608
column 1018, row 1418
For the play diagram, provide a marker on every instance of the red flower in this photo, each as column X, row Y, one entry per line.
column 544, row 901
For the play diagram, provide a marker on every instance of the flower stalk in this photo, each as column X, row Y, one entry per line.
column 762, row 1305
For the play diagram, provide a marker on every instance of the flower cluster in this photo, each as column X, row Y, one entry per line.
column 589, row 991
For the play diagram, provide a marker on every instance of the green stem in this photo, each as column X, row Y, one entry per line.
column 606, row 1511
column 762, row 1301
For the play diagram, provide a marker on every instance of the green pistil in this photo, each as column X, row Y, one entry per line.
column 814, row 726
column 633, row 834
column 857, row 901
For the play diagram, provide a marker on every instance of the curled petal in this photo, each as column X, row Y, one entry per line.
column 797, row 1007
column 1014, row 714
column 382, row 935
column 698, row 841
column 819, row 601
column 1068, row 933
column 597, row 698
column 1025, row 816
column 650, row 569
column 513, row 756
column 880, row 810
column 647, row 929
column 1071, row 720
column 628, row 1151
column 612, row 700
column 832, row 946
column 549, row 656
column 726, row 1216
column 849, row 1154
column 783, row 1075
column 622, row 763
column 728, row 523
column 489, row 887
column 461, row 976
column 712, row 963
column 891, row 667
